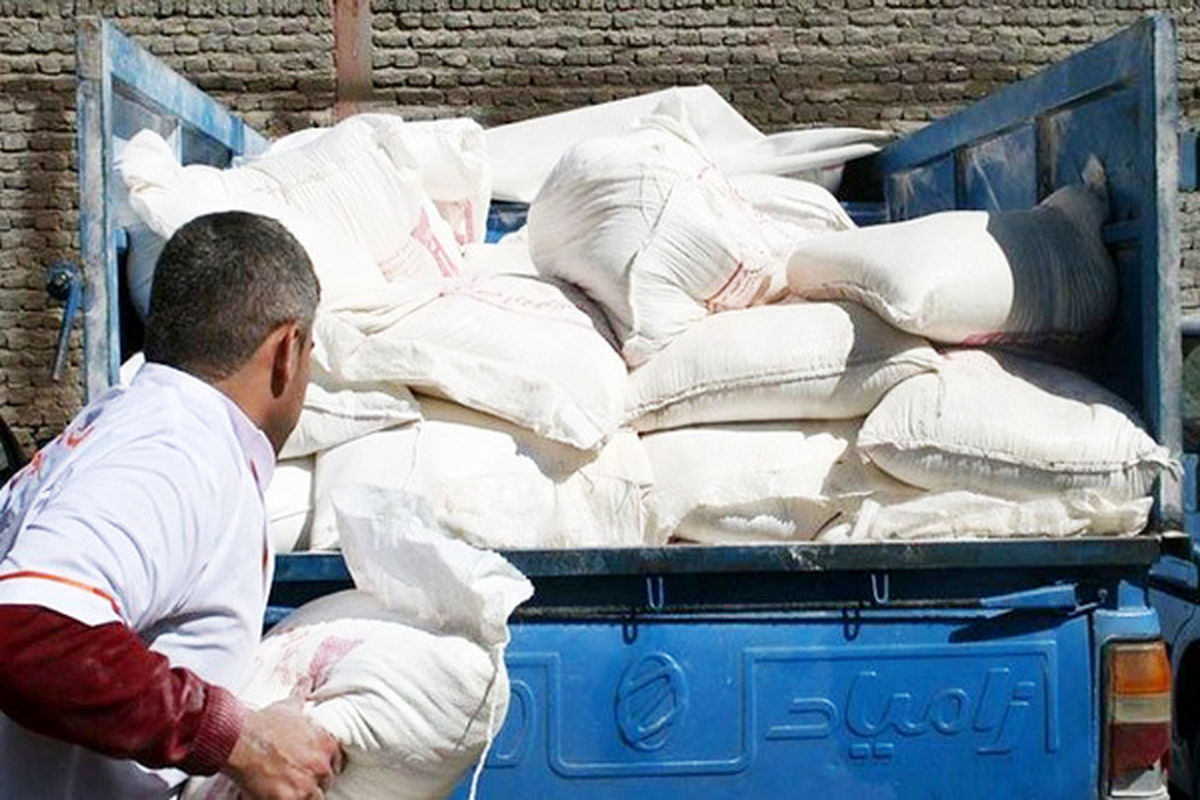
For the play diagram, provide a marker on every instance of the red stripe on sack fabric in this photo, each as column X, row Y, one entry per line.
column 743, row 289
column 46, row 576
column 423, row 233
column 469, row 219
column 732, row 277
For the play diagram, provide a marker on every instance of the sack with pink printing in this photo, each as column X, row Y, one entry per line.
column 450, row 155
column 653, row 232
column 341, row 193
column 407, row 672
column 409, row 707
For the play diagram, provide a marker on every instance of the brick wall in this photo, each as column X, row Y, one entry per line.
column 271, row 60
column 891, row 63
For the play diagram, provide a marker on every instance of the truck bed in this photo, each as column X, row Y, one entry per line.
column 882, row 670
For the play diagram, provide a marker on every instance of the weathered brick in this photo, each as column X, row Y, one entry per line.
column 889, row 63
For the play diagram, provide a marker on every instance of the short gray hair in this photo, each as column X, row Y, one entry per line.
column 223, row 282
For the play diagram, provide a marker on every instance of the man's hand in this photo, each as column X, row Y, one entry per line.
column 281, row 755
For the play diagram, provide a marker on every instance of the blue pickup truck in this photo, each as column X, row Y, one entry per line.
column 982, row 669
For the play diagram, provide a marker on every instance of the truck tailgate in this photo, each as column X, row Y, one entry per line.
column 870, row 704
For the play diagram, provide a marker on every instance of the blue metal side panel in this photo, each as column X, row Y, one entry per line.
column 504, row 218
column 150, row 78
column 93, row 99
column 1117, row 101
column 876, row 705
column 1191, row 502
column 1189, row 169
column 121, row 88
column 989, row 182
column 924, row 189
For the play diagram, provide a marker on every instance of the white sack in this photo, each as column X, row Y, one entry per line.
column 341, row 195
column 653, row 232
column 791, row 211
column 407, row 673
column 398, row 552
column 334, row 413
column 144, row 246
column 450, row 155
column 512, row 346
column 288, row 501
column 969, row 515
column 291, row 141
column 976, row 277
column 411, row 708
column 758, row 482
column 492, row 483
column 523, row 153
column 788, row 361
column 1010, row 427
column 166, row 195
column 507, row 257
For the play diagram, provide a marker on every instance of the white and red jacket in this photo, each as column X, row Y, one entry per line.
column 134, row 570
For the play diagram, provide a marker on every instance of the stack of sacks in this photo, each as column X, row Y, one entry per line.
column 685, row 263
column 536, row 388
column 648, row 226
column 1001, row 446
column 492, row 483
column 761, row 326
column 366, row 199
column 519, row 442
column 1008, row 446
column 406, row 671
column 737, row 415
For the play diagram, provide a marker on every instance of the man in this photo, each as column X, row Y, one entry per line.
column 134, row 556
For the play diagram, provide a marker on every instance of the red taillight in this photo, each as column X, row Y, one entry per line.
column 1135, row 747
column 1138, row 713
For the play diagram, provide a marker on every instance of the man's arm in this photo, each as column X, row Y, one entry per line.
column 102, row 688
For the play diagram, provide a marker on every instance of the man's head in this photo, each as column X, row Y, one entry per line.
column 232, row 303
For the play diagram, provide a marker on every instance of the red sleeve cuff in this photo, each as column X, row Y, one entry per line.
column 218, row 732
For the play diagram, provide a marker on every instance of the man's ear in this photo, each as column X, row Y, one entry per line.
column 285, row 345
